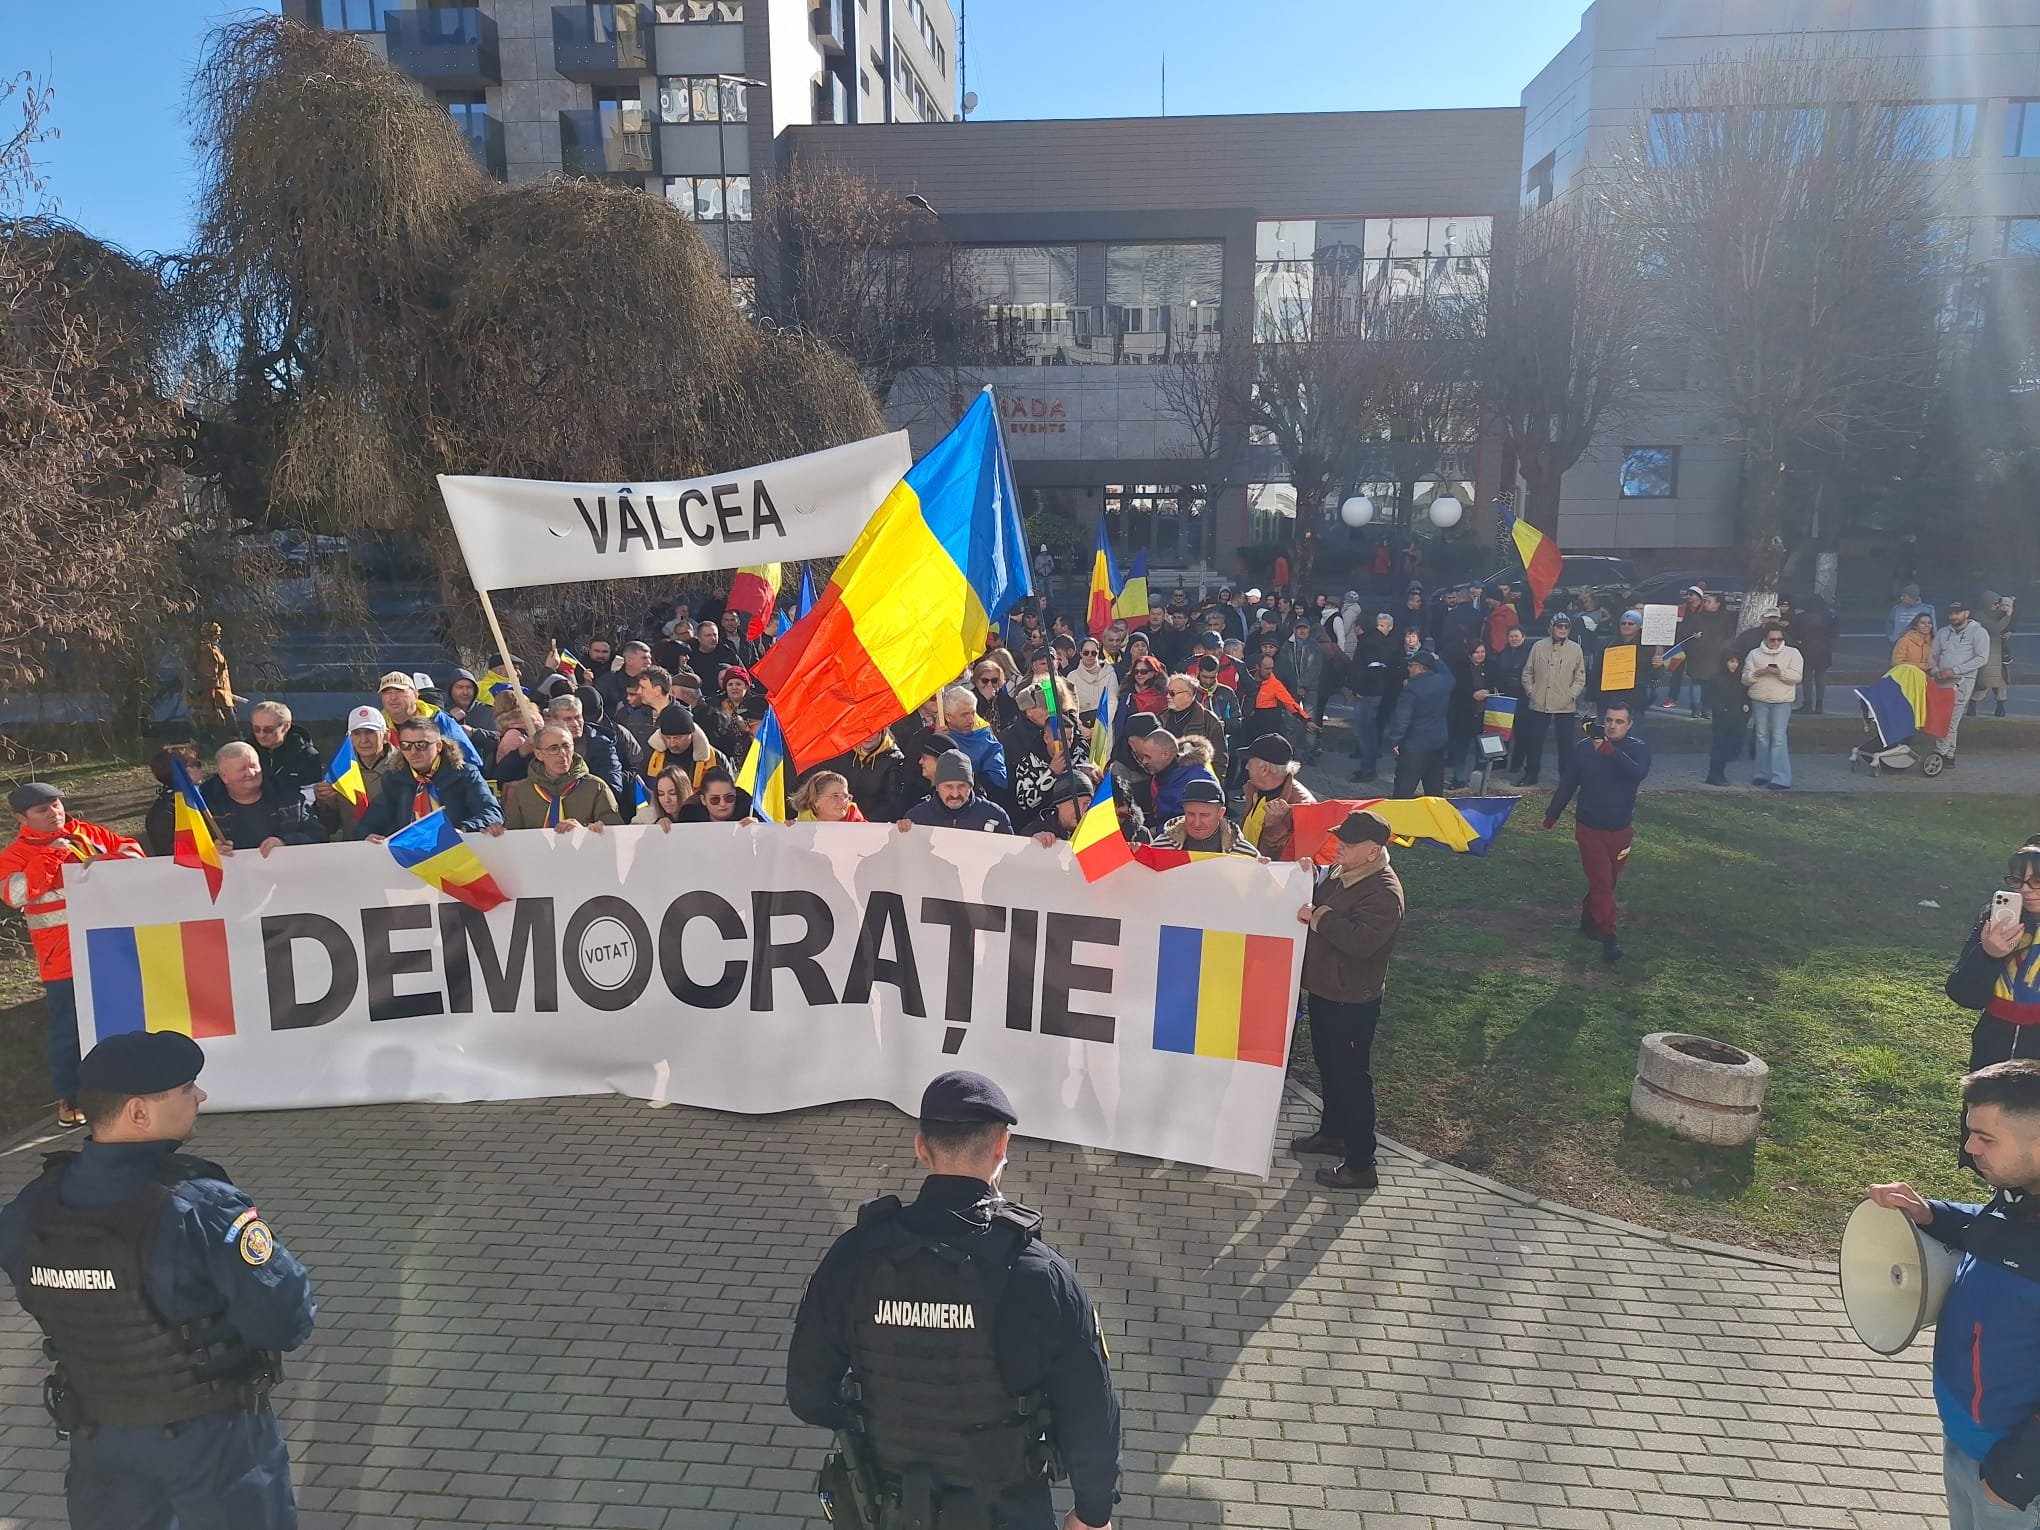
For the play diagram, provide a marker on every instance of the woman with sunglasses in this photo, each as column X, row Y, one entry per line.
column 1092, row 678
column 720, row 800
column 1150, row 686
column 1999, row 969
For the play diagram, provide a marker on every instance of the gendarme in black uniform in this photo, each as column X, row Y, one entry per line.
column 954, row 1339
column 166, row 1302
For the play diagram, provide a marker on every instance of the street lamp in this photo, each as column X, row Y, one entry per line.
column 917, row 200
column 722, row 154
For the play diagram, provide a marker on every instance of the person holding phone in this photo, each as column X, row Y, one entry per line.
column 1998, row 971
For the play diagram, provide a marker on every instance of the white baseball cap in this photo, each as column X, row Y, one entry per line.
column 367, row 717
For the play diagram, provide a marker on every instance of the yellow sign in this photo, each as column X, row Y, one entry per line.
column 1618, row 668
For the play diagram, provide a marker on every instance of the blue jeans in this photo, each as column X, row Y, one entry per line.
column 60, row 1001
column 1366, row 735
column 1774, row 760
column 1968, row 1508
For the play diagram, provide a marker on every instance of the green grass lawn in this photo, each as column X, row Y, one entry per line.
column 1791, row 928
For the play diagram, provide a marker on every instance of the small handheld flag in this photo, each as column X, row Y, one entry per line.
column 1104, row 585
column 1542, row 561
column 192, row 842
column 1499, row 716
column 1101, row 732
column 1676, row 651
column 1100, row 844
column 433, row 851
column 345, row 777
column 1131, row 605
column 753, row 590
column 763, row 773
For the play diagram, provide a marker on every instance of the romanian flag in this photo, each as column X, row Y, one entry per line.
column 1131, row 606
column 433, row 851
column 939, row 564
column 1409, row 819
column 1486, row 815
column 1903, row 701
column 1273, row 694
column 763, row 773
column 1221, row 994
column 753, row 592
column 1104, row 585
column 1542, row 561
column 192, row 837
column 345, row 777
column 1099, row 842
column 1499, row 716
column 161, row 977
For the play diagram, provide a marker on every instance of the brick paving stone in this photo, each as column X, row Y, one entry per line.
column 574, row 1313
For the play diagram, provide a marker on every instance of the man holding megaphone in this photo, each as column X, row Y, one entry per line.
column 1987, row 1337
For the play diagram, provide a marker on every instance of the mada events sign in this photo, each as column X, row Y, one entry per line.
column 749, row 968
column 522, row 531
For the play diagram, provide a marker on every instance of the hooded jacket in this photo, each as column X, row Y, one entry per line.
column 457, row 785
column 1420, row 720
column 987, row 756
column 581, row 796
column 293, row 763
column 1170, row 783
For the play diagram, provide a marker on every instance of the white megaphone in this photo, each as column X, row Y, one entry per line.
column 1894, row 1277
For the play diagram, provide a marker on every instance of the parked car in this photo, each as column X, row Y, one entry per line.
column 1666, row 589
column 1581, row 571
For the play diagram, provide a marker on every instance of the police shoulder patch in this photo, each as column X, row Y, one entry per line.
column 257, row 1244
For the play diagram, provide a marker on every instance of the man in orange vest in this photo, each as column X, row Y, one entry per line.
column 32, row 882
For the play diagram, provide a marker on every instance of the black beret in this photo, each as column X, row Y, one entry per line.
column 1203, row 789
column 1141, row 724
column 675, row 721
column 140, row 1062
column 966, row 1096
column 935, row 745
column 1363, row 828
column 1272, row 749
column 33, row 794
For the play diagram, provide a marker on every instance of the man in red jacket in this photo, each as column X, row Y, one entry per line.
column 32, row 882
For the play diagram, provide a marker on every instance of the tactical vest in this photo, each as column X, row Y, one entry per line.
column 923, row 1353
column 120, row 1361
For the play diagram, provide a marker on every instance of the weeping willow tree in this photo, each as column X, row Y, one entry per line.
column 389, row 313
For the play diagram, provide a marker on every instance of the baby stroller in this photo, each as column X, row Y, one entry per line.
column 1904, row 714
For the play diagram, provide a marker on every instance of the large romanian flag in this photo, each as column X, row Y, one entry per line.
column 1131, row 606
column 433, row 851
column 192, row 841
column 941, row 561
column 1542, row 561
column 1104, row 585
column 1409, row 819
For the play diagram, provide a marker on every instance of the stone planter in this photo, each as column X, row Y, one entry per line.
column 1702, row 1090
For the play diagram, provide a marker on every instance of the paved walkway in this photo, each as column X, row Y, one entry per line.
column 572, row 1313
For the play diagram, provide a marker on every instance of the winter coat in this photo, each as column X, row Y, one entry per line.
column 1031, row 778
column 32, row 871
column 1912, row 648
column 293, row 763
column 582, row 797
column 987, row 760
column 1374, row 659
column 1228, row 841
column 1272, row 837
column 1088, row 687
column 599, row 753
column 1505, row 669
column 1199, row 721
column 1809, row 632
column 1783, row 686
column 979, row 813
column 280, row 813
column 1554, row 675
column 1353, row 927
column 1706, row 635
column 1729, row 703
column 1462, row 716
column 1418, row 723
column 1998, row 624
column 1169, row 785
column 882, row 783
column 1301, row 666
column 696, row 753
column 470, row 805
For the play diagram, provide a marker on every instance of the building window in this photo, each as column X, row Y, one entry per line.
column 2022, row 130
column 1650, row 472
column 1684, row 137
column 1161, row 301
column 705, row 198
column 1170, row 523
column 2022, row 238
column 676, row 12
column 357, row 15
column 910, row 86
column 1314, row 277
column 701, row 98
column 1929, row 130
column 1537, row 182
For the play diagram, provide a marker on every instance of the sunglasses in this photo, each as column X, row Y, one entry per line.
column 718, row 799
column 410, row 744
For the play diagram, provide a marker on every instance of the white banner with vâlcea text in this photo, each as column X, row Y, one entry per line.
column 740, row 967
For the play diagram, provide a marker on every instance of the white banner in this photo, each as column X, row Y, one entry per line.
column 751, row 968
column 523, row 531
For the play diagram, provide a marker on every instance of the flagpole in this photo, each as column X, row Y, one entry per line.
column 502, row 648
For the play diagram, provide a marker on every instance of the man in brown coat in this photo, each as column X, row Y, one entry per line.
column 1354, row 918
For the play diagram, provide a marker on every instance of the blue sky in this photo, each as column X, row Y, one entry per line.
column 123, row 166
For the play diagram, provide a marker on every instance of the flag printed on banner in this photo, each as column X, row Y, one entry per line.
column 1222, row 994
column 938, row 567
column 1498, row 716
column 1542, row 561
column 1131, row 604
column 433, row 851
column 192, row 841
column 763, row 773
column 1100, row 844
column 753, row 592
column 344, row 775
column 1104, row 585
column 161, row 977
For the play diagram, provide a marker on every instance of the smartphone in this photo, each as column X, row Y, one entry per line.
column 2004, row 907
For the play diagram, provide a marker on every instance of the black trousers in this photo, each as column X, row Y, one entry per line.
column 1342, row 1041
column 1420, row 767
column 1531, row 727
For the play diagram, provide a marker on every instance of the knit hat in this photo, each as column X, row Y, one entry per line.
column 554, row 685
column 1560, row 619
column 954, row 765
column 935, row 745
column 1633, row 615
column 1203, row 789
column 675, row 722
column 591, row 703
column 1141, row 724
column 731, row 672
column 1425, row 657
column 1272, row 749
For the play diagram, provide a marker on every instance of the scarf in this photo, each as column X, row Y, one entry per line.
column 425, row 797
column 552, row 789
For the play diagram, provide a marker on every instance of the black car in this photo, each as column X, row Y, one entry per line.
column 1581, row 571
column 1669, row 589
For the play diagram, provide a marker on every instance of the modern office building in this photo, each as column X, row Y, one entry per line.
column 1109, row 249
column 682, row 97
column 1664, row 481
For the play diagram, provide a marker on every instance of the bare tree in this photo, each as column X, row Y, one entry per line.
column 1793, row 238
column 1557, row 326
column 1202, row 397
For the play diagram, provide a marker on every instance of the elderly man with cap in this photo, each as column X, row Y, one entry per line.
column 1271, row 791
column 165, row 1301
column 1202, row 827
column 1354, row 917
column 32, row 871
column 1553, row 677
column 956, row 802
column 952, row 1350
column 400, row 703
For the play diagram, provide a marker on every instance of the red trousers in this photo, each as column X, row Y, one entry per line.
column 1603, row 854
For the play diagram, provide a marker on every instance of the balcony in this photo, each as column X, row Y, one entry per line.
column 484, row 137
column 448, row 47
column 831, row 26
column 602, row 44
column 591, row 145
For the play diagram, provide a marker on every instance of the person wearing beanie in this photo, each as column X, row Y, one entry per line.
column 1622, row 672
column 956, row 802
column 1353, row 917
column 676, row 739
column 461, row 692
column 1418, row 728
column 1271, row 790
